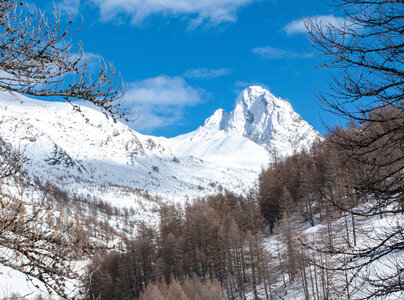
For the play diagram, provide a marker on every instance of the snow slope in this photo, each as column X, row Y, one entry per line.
column 369, row 232
column 60, row 146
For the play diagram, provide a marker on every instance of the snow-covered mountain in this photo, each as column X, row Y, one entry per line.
column 103, row 158
column 259, row 127
column 111, row 161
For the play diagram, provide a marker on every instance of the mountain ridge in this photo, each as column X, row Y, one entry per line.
column 84, row 157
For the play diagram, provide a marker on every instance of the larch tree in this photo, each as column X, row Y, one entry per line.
column 366, row 54
column 37, row 58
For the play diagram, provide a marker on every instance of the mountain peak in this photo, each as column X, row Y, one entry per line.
column 255, row 95
column 265, row 119
column 258, row 89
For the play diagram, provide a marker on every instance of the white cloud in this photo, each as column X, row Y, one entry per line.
column 150, row 120
column 241, row 85
column 199, row 11
column 206, row 73
column 269, row 52
column 298, row 26
column 161, row 101
column 164, row 90
column 71, row 6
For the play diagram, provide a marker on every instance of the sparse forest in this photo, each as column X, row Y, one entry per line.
column 219, row 238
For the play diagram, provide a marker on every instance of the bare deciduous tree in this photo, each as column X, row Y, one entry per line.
column 38, row 59
column 367, row 88
column 35, row 239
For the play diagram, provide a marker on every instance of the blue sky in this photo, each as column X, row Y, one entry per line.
column 183, row 59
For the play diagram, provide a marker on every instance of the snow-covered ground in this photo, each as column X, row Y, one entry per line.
column 368, row 231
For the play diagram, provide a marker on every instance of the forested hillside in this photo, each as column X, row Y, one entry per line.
column 311, row 229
